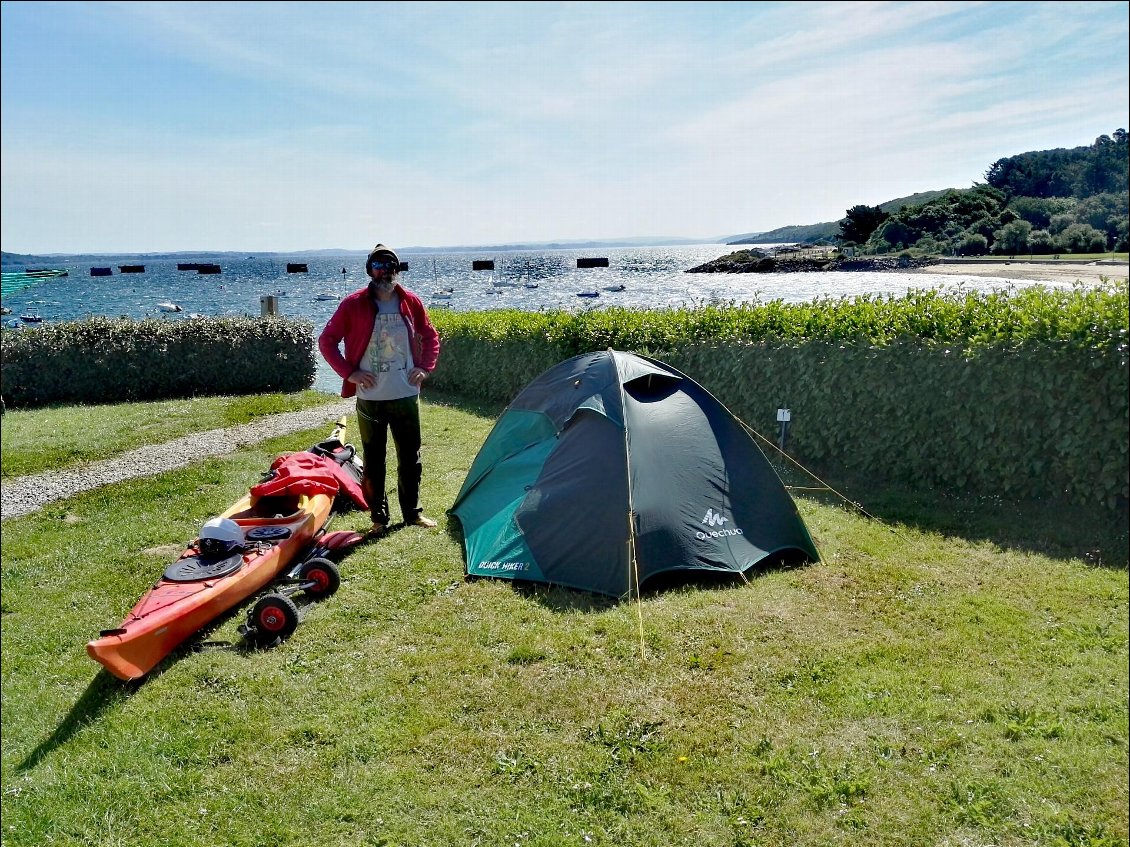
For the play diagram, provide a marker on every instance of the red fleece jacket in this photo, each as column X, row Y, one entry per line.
column 352, row 322
column 310, row 474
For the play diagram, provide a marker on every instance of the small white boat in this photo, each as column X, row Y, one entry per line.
column 529, row 283
column 169, row 307
column 279, row 293
column 592, row 293
column 31, row 316
column 326, row 295
column 620, row 287
column 439, row 293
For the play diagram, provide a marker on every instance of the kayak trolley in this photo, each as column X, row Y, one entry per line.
column 275, row 615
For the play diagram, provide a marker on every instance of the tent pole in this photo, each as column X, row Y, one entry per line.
column 634, row 576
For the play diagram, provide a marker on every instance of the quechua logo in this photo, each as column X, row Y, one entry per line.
column 713, row 518
column 717, row 520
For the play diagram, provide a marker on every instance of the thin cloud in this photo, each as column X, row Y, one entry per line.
column 286, row 125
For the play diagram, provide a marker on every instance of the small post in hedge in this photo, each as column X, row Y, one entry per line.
column 783, row 418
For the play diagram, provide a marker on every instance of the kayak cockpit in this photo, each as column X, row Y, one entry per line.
column 273, row 507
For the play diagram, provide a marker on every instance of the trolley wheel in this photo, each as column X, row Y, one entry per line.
column 323, row 573
column 273, row 617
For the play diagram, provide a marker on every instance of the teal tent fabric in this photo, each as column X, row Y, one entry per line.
column 609, row 453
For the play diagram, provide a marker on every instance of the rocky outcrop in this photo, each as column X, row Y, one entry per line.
column 754, row 261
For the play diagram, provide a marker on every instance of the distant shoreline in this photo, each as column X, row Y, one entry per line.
column 16, row 259
column 1038, row 270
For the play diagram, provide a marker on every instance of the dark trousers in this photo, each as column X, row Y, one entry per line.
column 375, row 419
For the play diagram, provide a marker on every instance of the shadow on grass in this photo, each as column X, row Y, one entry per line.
column 674, row 582
column 1052, row 528
column 560, row 598
column 102, row 694
column 472, row 405
column 106, row 691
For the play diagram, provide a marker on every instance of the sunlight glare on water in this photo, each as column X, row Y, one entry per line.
column 534, row 280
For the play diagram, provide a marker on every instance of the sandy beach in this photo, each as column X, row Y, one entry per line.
column 1064, row 272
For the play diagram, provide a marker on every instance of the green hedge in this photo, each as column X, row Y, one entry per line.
column 1015, row 395
column 1034, row 421
column 493, row 355
column 110, row 360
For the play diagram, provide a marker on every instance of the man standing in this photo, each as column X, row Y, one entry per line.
column 390, row 348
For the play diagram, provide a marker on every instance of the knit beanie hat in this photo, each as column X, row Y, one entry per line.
column 381, row 252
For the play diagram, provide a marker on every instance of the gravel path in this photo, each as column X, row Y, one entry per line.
column 26, row 494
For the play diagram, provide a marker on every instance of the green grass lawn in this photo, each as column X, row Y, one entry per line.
column 919, row 686
column 36, row 440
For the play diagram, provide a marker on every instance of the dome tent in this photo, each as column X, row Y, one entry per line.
column 612, row 468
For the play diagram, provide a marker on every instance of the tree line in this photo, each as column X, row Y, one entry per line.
column 1045, row 202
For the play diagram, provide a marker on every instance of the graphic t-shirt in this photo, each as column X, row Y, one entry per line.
column 389, row 355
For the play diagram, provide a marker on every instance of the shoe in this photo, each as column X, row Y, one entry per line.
column 422, row 521
column 375, row 531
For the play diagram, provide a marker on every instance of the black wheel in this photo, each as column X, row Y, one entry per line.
column 323, row 573
column 273, row 617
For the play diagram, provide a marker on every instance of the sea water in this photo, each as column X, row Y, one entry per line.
column 531, row 280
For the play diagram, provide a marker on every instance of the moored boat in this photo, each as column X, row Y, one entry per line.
column 39, row 273
column 276, row 531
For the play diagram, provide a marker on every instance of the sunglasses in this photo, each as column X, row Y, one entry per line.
column 384, row 266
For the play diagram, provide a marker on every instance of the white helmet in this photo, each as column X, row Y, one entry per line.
column 220, row 537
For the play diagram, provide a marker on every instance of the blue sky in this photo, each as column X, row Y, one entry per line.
column 145, row 127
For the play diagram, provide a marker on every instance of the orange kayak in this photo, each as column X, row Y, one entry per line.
column 282, row 521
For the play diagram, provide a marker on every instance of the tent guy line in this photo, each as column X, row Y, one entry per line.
column 824, row 486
